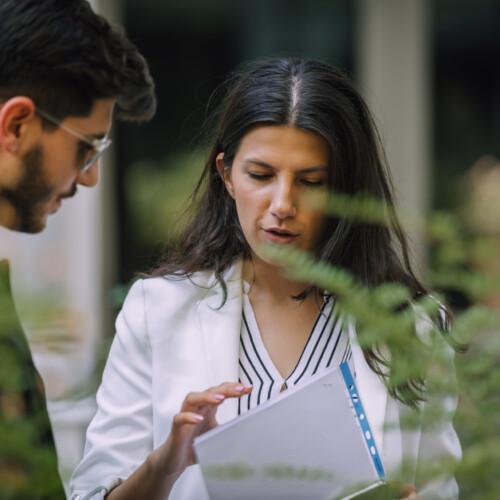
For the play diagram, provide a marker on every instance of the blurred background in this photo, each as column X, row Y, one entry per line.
column 428, row 68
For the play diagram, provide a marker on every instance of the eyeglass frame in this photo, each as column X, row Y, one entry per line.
column 99, row 145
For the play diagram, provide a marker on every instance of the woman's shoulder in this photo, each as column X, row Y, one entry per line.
column 193, row 286
column 178, row 288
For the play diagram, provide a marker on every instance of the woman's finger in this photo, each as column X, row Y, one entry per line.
column 233, row 388
column 187, row 417
column 215, row 395
column 408, row 491
column 194, row 399
column 403, row 491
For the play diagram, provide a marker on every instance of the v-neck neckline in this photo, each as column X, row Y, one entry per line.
column 252, row 325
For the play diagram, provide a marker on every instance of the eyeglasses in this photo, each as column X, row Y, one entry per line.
column 98, row 145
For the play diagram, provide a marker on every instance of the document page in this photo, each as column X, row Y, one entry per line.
column 305, row 443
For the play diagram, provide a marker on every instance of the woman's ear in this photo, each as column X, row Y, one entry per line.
column 14, row 115
column 225, row 173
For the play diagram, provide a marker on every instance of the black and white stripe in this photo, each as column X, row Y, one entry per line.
column 327, row 345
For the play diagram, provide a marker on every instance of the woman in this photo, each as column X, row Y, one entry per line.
column 220, row 315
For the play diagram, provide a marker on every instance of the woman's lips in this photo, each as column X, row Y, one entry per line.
column 279, row 236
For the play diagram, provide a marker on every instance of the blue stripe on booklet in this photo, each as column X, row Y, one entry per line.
column 363, row 421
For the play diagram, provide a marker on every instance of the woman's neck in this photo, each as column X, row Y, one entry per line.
column 284, row 324
column 269, row 280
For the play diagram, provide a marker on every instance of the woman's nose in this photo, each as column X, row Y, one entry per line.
column 90, row 177
column 283, row 203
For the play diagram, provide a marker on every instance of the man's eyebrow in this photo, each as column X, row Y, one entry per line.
column 260, row 163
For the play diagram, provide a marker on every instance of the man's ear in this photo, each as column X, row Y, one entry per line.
column 14, row 115
column 225, row 173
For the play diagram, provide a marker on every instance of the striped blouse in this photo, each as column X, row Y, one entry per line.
column 327, row 345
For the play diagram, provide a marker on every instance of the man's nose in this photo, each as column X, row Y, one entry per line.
column 90, row 177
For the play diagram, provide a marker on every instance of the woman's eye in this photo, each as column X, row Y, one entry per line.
column 313, row 183
column 259, row 177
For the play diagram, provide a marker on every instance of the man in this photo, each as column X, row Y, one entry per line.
column 63, row 71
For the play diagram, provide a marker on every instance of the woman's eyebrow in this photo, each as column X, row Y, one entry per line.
column 260, row 163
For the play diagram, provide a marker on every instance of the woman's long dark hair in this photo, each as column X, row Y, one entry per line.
column 313, row 96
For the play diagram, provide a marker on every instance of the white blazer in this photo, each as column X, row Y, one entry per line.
column 173, row 337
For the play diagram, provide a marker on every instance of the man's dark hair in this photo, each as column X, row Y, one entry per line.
column 64, row 56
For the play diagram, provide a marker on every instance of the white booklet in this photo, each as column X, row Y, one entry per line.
column 312, row 442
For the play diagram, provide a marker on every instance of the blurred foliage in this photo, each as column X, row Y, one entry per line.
column 28, row 466
column 156, row 194
column 463, row 260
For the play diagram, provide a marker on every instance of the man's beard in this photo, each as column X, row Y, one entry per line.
column 29, row 195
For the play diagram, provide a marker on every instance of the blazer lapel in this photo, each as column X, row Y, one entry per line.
column 221, row 335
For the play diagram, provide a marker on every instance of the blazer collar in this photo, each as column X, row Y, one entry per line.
column 221, row 325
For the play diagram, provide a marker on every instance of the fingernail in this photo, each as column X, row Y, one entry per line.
column 240, row 388
column 199, row 418
column 219, row 397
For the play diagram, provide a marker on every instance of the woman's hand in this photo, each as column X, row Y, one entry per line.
column 155, row 478
column 197, row 415
column 403, row 491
